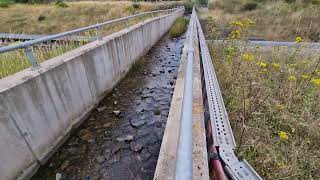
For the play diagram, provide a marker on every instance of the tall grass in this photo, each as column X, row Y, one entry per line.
column 15, row 61
column 275, row 20
column 54, row 20
column 24, row 18
column 179, row 27
column 272, row 97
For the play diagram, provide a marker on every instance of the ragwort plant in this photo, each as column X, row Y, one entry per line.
column 272, row 97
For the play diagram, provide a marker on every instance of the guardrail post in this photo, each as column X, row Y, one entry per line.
column 127, row 23
column 98, row 33
column 31, row 58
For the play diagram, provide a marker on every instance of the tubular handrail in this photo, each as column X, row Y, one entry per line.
column 183, row 169
column 27, row 44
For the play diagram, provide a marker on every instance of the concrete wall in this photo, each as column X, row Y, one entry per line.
column 39, row 108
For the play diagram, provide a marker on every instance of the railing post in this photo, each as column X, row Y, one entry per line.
column 98, row 33
column 127, row 23
column 31, row 58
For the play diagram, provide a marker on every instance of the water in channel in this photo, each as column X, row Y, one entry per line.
column 121, row 139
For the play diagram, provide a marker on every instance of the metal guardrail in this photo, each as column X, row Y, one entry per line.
column 220, row 125
column 27, row 45
column 183, row 167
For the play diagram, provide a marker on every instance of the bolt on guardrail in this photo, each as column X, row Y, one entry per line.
column 27, row 45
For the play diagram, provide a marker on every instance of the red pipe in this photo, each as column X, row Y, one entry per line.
column 215, row 164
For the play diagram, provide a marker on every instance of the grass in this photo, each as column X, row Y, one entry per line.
column 48, row 19
column 275, row 20
column 272, row 97
column 15, row 61
column 4, row 3
column 179, row 27
column 24, row 18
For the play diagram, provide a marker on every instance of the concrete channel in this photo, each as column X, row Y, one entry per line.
column 40, row 107
column 121, row 138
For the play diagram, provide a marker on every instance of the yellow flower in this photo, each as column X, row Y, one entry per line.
column 298, row 39
column 292, row 78
column 281, row 165
column 280, row 106
column 263, row 65
column 235, row 34
column 304, row 76
column 283, row 135
column 315, row 82
column 237, row 23
column 247, row 57
column 276, row 66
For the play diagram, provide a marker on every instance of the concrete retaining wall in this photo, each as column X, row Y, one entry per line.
column 39, row 108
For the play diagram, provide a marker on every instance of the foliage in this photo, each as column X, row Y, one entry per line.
column 179, row 27
column 4, row 3
column 136, row 5
column 42, row 17
column 290, row 1
column 61, row 3
column 25, row 18
column 272, row 95
column 249, row 6
column 275, row 20
column 188, row 5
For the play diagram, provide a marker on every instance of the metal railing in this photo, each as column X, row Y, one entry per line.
column 183, row 167
column 27, row 45
column 222, row 135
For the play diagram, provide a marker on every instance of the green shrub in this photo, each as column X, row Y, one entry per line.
column 188, row 5
column 42, row 17
column 179, row 27
column 290, row 1
column 249, row 6
column 4, row 3
column 136, row 5
column 61, row 3
column 315, row 2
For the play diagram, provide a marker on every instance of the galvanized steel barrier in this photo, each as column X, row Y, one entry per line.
column 222, row 135
column 27, row 46
column 221, row 130
column 184, row 153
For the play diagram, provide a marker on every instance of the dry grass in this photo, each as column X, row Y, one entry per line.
column 50, row 19
column 268, row 92
column 275, row 20
column 25, row 19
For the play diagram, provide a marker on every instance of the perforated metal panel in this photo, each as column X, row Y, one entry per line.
column 221, row 129
column 242, row 171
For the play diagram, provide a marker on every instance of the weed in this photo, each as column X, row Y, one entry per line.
column 4, row 3
column 61, row 3
column 42, row 18
column 249, row 6
column 275, row 20
column 179, row 27
column 271, row 95
column 136, row 5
